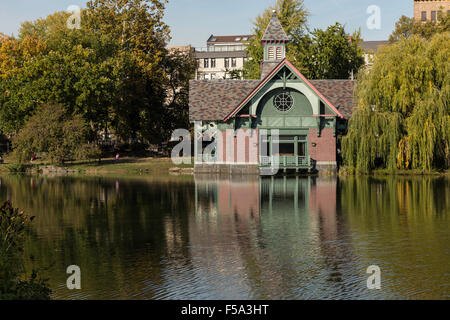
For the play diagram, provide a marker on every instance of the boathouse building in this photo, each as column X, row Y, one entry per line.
column 282, row 119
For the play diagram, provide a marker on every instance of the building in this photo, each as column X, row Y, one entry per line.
column 182, row 49
column 281, row 121
column 223, row 57
column 429, row 10
column 370, row 49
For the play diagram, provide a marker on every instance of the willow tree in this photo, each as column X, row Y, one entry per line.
column 402, row 119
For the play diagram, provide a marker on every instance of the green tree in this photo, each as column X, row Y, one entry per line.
column 118, row 76
column 51, row 131
column 320, row 54
column 407, row 27
column 179, row 67
column 13, row 282
column 403, row 116
column 329, row 54
column 292, row 16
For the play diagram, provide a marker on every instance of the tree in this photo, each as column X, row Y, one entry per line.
column 292, row 16
column 115, row 71
column 329, row 54
column 320, row 54
column 58, row 135
column 407, row 27
column 179, row 67
column 13, row 286
column 403, row 114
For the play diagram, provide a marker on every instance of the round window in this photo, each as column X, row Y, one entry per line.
column 283, row 101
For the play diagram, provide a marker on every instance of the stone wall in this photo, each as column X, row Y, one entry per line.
column 226, row 169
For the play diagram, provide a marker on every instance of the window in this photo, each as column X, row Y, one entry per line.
column 439, row 15
column 205, row 63
column 213, row 62
column 213, row 76
column 302, row 149
column 271, row 53
column 244, row 38
column 279, row 53
column 283, row 101
column 227, row 62
column 424, row 16
column 238, row 39
column 287, row 149
column 233, row 62
column 433, row 15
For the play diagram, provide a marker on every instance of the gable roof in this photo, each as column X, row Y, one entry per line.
column 215, row 99
column 221, row 99
column 285, row 62
column 274, row 31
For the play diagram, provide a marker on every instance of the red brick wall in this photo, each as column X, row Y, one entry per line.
column 325, row 149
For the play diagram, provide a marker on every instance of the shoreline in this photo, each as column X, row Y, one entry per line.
column 162, row 166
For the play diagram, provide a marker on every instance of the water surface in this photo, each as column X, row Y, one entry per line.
column 261, row 238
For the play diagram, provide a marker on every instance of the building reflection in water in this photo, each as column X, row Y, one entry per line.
column 284, row 233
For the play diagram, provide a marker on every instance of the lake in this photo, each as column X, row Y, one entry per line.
column 241, row 238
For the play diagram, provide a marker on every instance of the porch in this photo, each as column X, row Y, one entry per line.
column 286, row 162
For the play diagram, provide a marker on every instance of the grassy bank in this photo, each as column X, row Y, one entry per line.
column 125, row 166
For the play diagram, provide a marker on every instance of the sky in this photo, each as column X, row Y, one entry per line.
column 193, row 21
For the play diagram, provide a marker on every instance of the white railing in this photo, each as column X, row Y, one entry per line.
column 286, row 161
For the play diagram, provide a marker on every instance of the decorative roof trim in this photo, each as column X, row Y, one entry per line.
column 269, row 76
column 262, row 83
column 315, row 89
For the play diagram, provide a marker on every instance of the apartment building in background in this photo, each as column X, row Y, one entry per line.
column 222, row 58
column 430, row 10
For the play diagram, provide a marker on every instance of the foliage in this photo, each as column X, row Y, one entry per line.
column 292, row 16
column 318, row 54
column 114, row 71
column 179, row 67
column 12, row 284
column 52, row 131
column 402, row 119
column 329, row 54
column 407, row 27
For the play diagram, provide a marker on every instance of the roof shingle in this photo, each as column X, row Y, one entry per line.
column 215, row 99
column 339, row 92
column 274, row 31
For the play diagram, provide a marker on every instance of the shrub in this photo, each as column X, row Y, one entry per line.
column 51, row 131
column 13, row 282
